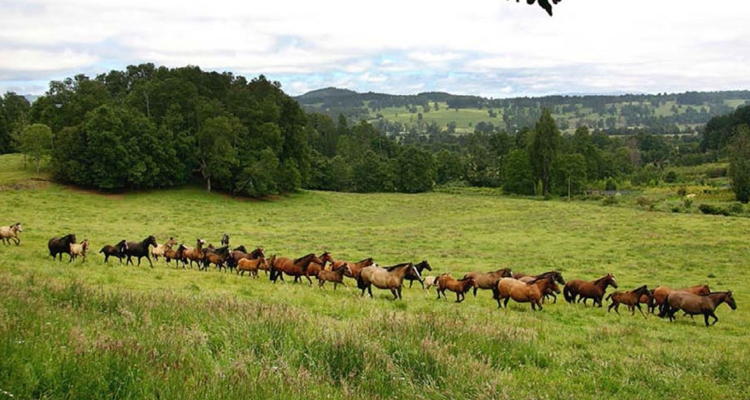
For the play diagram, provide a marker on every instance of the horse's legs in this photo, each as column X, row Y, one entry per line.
column 505, row 304
column 639, row 309
column 711, row 313
column 475, row 291
column 149, row 261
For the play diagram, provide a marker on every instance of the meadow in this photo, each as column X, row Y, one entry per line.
column 94, row 330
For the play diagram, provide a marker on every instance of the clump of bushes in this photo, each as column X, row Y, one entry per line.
column 713, row 210
column 610, row 200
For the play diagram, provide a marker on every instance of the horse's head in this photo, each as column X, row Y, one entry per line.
column 151, row 240
column 171, row 242
column 70, row 238
column 17, row 227
column 85, row 244
column 610, row 280
column 424, row 265
column 413, row 271
column 122, row 245
column 199, row 242
column 326, row 258
column 558, row 277
column 729, row 299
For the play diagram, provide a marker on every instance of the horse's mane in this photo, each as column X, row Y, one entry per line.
column 303, row 257
column 600, row 280
column 397, row 266
column 364, row 260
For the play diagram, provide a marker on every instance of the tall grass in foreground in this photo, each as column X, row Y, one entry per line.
column 73, row 330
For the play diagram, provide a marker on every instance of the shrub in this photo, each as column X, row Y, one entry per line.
column 688, row 202
column 644, row 202
column 682, row 191
column 713, row 210
column 736, row 208
column 671, row 177
column 610, row 184
column 610, row 201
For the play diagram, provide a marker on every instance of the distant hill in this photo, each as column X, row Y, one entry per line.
column 675, row 113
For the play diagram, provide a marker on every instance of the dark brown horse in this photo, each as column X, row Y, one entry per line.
column 488, row 280
column 391, row 279
column 631, row 298
column 588, row 290
column 60, row 245
column 295, row 268
column 140, row 250
column 523, row 292
column 458, row 286
column 117, row 250
column 556, row 275
column 693, row 304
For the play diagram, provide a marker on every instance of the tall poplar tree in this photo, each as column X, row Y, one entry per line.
column 543, row 147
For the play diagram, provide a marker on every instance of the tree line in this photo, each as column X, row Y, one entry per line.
column 156, row 127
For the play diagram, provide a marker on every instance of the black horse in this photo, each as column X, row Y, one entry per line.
column 140, row 250
column 117, row 250
column 60, row 245
column 420, row 267
column 225, row 239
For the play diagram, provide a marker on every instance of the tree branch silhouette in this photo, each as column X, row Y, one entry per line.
column 545, row 4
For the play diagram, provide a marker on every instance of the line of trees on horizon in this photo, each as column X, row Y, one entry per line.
column 156, row 127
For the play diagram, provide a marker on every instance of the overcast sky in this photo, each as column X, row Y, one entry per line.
column 491, row 48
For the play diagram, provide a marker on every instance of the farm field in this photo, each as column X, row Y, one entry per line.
column 95, row 330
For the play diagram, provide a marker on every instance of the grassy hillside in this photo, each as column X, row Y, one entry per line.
column 73, row 330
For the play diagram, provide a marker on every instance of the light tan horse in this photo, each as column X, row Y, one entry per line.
column 521, row 292
column 661, row 292
column 8, row 233
column 79, row 249
column 159, row 250
column 391, row 278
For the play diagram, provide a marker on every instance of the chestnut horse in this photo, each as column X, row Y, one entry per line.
column 661, row 292
column 384, row 278
column 522, row 292
column 295, row 268
column 314, row 268
column 693, row 304
column 631, row 298
column 555, row 274
column 488, row 280
column 458, row 286
column 354, row 267
column 8, row 233
column 193, row 254
column 588, row 290
column 240, row 252
column 335, row 276
column 251, row 266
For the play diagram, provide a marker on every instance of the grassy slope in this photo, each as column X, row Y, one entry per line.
column 95, row 331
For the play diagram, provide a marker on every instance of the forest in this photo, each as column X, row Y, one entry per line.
column 156, row 127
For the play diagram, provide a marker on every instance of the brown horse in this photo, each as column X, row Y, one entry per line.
column 314, row 268
column 176, row 255
column 354, row 267
column 8, row 233
column 59, row 245
column 335, row 276
column 693, row 304
column 631, row 298
column 117, row 250
column 383, row 278
column 661, row 292
column 295, row 268
column 458, row 286
column 555, row 274
column 588, row 290
column 240, row 252
column 251, row 266
column 194, row 254
column 522, row 292
column 140, row 250
column 488, row 280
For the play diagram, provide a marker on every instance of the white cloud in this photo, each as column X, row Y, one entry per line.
column 495, row 47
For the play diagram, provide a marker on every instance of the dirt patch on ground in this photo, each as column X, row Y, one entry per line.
column 33, row 183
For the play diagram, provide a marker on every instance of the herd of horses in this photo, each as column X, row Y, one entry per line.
column 504, row 284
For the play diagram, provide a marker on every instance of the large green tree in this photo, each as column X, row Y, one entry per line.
column 543, row 148
column 215, row 150
column 739, row 163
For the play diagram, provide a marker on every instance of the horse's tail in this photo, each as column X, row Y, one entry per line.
column 664, row 307
column 568, row 294
column 495, row 292
column 361, row 282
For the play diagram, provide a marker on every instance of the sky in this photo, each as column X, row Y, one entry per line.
column 489, row 48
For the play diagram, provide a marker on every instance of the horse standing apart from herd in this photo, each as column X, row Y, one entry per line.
column 8, row 233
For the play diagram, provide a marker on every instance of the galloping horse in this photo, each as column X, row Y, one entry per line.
column 140, row 250
column 354, row 268
column 8, row 233
column 488, row 280
column 216, row 256
column 421, row 266
column 382, row 278
column 251, row 266
column 79, row 249
column 588, row 290
column 694, row 304
column 240, row 252
column 661, row 292
column 458, row 286
column 314, row 268
column 176, row 255
column 295, row 268
column 555, row 274
column 522, row 292
column 335, row 276
column 631, row 298
column 194, row 254
column 117, row 250
column 160, row 248
column 60, row 245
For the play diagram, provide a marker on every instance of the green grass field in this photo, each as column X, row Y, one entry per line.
column 90, row 330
